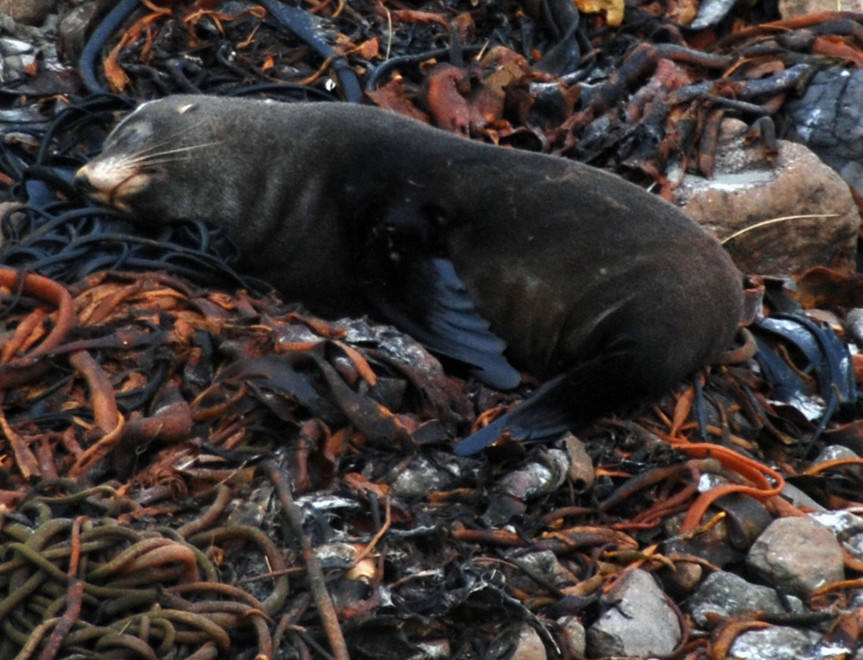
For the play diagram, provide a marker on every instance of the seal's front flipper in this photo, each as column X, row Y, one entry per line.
column 410, row 284
column 425, row 298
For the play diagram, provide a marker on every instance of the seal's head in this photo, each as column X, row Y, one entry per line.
column 144, row 155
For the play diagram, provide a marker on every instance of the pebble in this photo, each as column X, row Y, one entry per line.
column 29, row 12
column 528, row 646
column 798, row 555
column 425, row 475
column 638, row 622
column 531, row 481
column 837, row 452
column 777, row 643
column 573, row 636
column 725, row 594
column 847, row 527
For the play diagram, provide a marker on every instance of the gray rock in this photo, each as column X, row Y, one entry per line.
column 832, row 453
column 827, row 118
column 847, row 527
column 544, row 564
column 819, row 219
column 777, row 643
column 798, row 555
column 837, row 452
column 638, row 622
column 424, row 476
column 726, row 594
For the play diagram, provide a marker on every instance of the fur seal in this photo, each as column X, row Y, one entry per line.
column 492, row 256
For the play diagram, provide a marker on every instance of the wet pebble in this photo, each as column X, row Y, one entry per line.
column 725, row 594
column 777, row 643
column 638, row 622
column 425, row 475
column 798, row 555
column 847, row 527
column 573, row 636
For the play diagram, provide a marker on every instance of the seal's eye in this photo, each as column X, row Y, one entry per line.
column 131, row 135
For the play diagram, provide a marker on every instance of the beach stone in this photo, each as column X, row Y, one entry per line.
column 798, row 555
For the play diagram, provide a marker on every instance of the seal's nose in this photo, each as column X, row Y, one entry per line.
column 82, row 182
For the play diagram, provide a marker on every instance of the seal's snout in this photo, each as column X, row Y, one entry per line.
column 82, row 182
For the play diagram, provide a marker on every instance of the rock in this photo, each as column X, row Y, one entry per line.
column 573, row 636
column 745, row 190
column 838, row 452
column 522, row 643
column 846, row 527
column 425, row 475
column 713, row 544
column 725, row 595
column 29, row 12
column 78, row 24
column 777, row 643
column 800, row 499
column 538, row 478
column 794, row 8
column 638, row 622
column 529, row 646
column 542, row 563
column 827, row 119
column 798, row 555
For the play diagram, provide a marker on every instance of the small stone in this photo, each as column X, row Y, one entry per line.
column 833, row 452
column 29, row 12
column 846, row 526
column 774, row 220
column 529, row 646
column 724, row 595
column 543, row 564
column 800, row 499
column 838, row 452
column 798, row 555
column 827, row 119
column 425, row 475
column 573, row 636
column 638, row 622
column 777, row 643
column 682, row 579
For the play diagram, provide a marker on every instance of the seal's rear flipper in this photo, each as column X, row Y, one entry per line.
column 537, row 418
column 426, row 299
column 588, row 390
